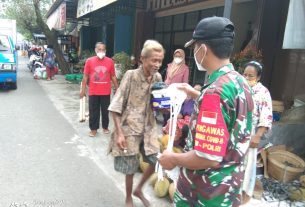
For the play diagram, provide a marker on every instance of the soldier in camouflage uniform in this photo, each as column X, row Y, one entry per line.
column 135, row 124
column 211, row 173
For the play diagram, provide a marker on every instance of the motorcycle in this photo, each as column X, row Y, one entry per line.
column 35, row 62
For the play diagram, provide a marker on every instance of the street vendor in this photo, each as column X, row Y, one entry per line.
column 220, row 125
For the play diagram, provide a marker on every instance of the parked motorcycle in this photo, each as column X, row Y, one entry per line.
column 35, row 62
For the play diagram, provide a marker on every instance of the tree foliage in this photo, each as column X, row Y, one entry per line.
column 24, row 14
column 30, row 19
column 51, row 37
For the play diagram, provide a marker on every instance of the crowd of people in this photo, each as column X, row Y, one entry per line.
column 219, row 126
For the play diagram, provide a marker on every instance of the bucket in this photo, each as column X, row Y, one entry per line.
column 160, row 99
column 161, row 103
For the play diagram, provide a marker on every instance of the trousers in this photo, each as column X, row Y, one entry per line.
column 98, row 105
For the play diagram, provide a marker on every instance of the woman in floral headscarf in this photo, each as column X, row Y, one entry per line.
column 177, row 72
column 261, row 123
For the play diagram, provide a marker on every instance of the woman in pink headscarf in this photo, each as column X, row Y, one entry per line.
column 177, row 70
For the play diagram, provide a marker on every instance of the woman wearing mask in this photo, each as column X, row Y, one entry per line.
column 261, row 123
column 177, row 72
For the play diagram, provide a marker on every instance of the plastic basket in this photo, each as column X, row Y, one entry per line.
column 78, row 76
column 70, row 77
column 285, row 166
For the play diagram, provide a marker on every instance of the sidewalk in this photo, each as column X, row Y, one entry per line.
column 64, row 96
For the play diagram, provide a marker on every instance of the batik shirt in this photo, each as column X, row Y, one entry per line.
column 262, row 113
column 220, row 186
column 132, row 102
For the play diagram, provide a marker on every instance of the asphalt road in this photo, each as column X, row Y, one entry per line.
column 41, row 164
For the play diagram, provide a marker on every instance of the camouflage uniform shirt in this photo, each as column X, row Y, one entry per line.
column 132, row 102
column 220, row 186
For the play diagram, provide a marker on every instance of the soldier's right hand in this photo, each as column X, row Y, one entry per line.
column 188, row 89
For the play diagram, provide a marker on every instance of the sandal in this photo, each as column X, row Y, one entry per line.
column 92, row 133
column 106, row 131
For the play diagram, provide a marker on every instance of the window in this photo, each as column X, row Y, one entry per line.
column 191, row 20
column 159, row 37
column 174, row 31
column 220, row 11
column 5, row 45
column 159, row 25
column 181, row 38
column 178, row 22
column 167, row 23
column 208, row 13
column 167, row 39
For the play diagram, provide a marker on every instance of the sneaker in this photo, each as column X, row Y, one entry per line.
column 92, row 133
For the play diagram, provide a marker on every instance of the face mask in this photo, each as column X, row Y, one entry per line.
column 252, row 82
column 177, row 60
column 199, row 66
column 101, row 55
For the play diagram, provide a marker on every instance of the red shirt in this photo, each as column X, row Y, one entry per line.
column 100, row 72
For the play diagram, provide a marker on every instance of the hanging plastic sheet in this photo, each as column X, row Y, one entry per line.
column 294, row 37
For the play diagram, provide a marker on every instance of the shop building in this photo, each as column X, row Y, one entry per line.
column 124, row 25
column 172, row 23
column 61, row 17
column 108, row 21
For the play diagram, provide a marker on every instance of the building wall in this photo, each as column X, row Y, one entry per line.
column 143, row 30
column 174, row 25
column 123, row 33
column 241, row 15
column 84, row 40
column 284, row 69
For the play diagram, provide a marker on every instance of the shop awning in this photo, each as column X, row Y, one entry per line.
column 61, row 12
column 85, row 6
column 57, row 20
column 39, row 36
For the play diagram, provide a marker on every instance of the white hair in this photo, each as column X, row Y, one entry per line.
column 149, row 46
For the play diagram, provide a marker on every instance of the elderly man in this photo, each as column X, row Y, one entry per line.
column 135, row 124
column 211, row 173
column 99, row 71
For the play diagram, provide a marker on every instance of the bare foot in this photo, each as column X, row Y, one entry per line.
column 129, row 203
column 139, row 194
column 245, row 198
